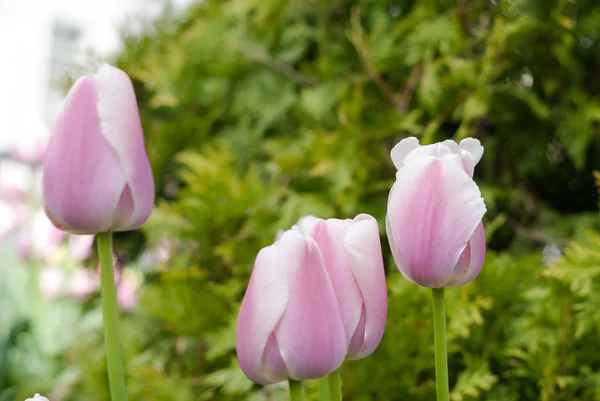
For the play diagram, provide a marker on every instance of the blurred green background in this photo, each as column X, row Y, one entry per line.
column 257, row 112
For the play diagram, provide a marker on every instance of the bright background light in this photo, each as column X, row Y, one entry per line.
column 40, row 43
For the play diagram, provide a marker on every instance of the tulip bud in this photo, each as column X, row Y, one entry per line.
column 37, row 397
column 97, row 176
column 351, row 251
column 434, row 212
column 289, row 325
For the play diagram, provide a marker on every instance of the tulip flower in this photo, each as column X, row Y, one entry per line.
column 97, row 176
column 434, row 213
column 37, row 397
column 289, row 325
column 351, row 251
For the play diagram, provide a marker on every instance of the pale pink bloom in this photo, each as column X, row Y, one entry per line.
column 16, row 180
column 80, row 246
column 434, row 212
column 351, row 250
column 40, row 239
column 97, row 176
column 82, row 283
column 9, row 218
column 127, row 291
column 289, row 325
column 37, row 397
column 51, row 280
column 30, row 147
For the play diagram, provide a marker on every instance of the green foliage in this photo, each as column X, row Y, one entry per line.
column 259, row 112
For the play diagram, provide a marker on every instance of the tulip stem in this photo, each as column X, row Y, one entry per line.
column 110, row 316
column 441, row 352
column 324, row 389
column 296, row 390
column 335, row 386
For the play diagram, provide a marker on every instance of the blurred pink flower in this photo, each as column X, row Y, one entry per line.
column 80, row 246
column 30, row 148
column 127, row 291
column 9, row 218
column 51, row 281
column 16, row 180
column 82, row 283
column 40, row 239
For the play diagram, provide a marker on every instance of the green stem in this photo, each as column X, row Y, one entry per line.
column 441, row 352
column 324, row 389
column 296, row 390
column 335, row 386
column 110, row 315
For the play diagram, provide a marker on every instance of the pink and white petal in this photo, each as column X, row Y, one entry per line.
column 453, row 146
column 329, row 236
column 83, row 178
column 363, row 246
column 433, row 211
column 468, row 162
column 306, row 224
column 474, row 147
column 311, row 335
column 263, row 306
column 122, row 129
column 436, row 150
column 474, row 257
column 402, row 149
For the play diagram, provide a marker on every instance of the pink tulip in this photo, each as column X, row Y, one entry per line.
column 351, row 250
column 434, row 213
column 37, row 397
column 290, row 326
column 97, row 176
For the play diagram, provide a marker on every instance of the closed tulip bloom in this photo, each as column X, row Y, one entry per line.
column 289, row 325
column 37, row 397
column 351, row 251
column 434, row 212
column 97, row 176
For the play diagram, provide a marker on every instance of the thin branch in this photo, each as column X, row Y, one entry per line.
column 461, row 9
column 277, row 66
column 357, row 39
column 533, row 234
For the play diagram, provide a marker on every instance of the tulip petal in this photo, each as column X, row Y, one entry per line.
column 434, row 150
column 474, row 147
column 76, row 196
column 306, row 224
column 118, row 112
column 402, row 149
column 433, row 211
column 363, row 246
column 329, row 235
column 263, row 306
column 471, row 261
column 311, row 335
